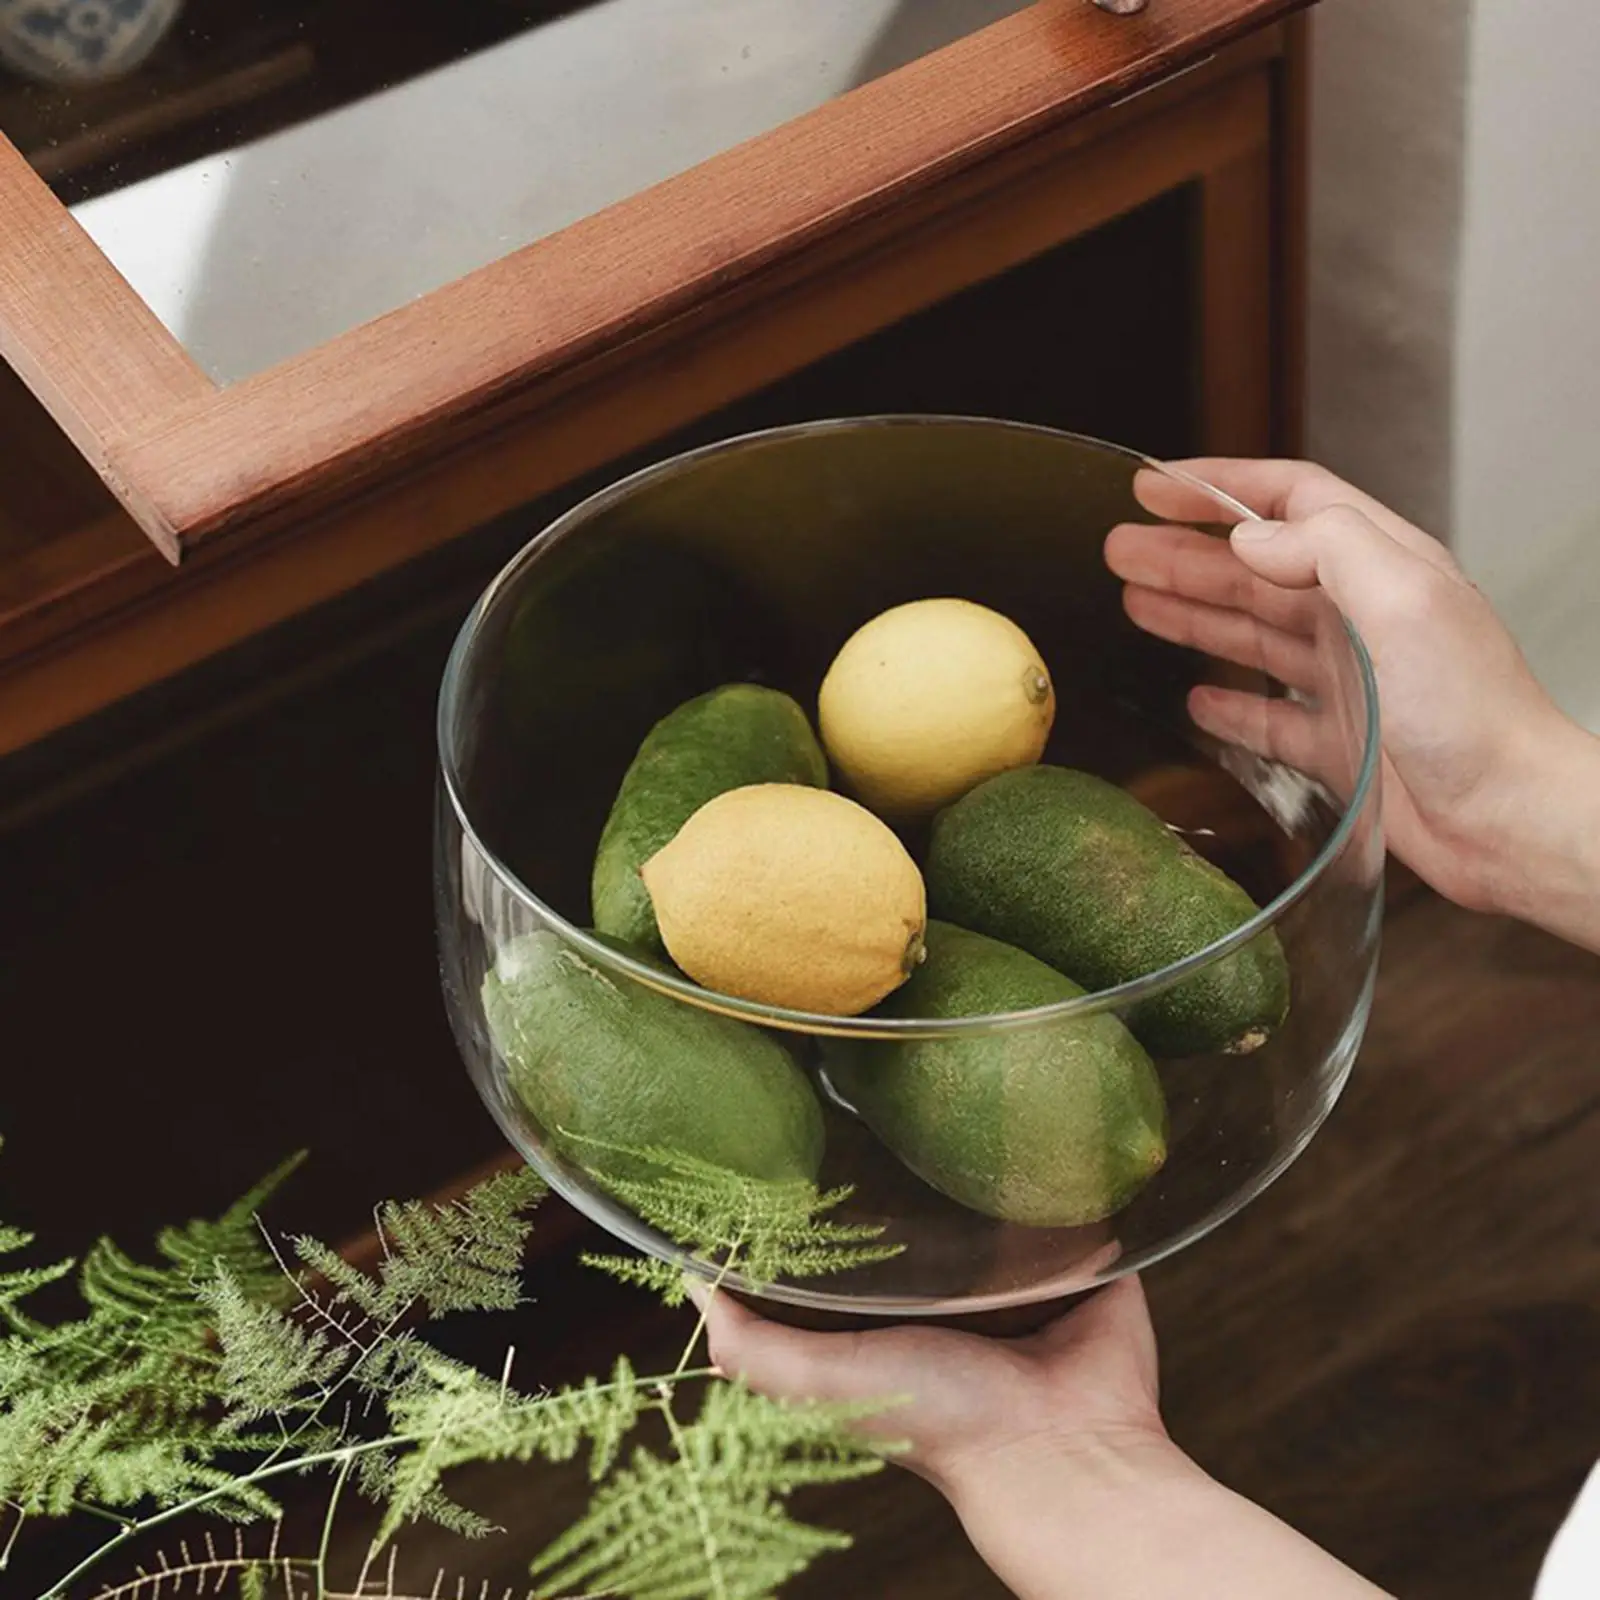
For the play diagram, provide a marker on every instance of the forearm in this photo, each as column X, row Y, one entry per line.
column 1546, row 856
column 1142, row 1530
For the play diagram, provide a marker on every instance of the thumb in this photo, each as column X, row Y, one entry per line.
column 1368, row 576
column 1116, row 1316
column 1111, row 1335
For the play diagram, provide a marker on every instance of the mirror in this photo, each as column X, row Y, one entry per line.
column 270, row 173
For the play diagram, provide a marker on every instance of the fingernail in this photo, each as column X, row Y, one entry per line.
column 698, row 1291
column 1253, row 531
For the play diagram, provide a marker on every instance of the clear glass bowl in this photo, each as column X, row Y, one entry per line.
column 754, row 560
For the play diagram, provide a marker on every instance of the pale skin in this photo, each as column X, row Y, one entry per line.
column 1052, row 1449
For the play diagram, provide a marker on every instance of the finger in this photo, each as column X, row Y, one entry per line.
column 1277, row 489
column 1229, row 635
column 1199, row 566
column 1290, row 491
column 791, row 1364
column 1377, row 583
column 1281, row 491
column 1186, row 498
column 1275, row 730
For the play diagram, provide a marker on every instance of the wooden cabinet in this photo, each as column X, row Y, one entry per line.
column 269, row 492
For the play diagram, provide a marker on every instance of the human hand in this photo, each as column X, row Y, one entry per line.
column 1051, row 1450
column 1016, row 1434
column 1490, row 793
column 954, row 1402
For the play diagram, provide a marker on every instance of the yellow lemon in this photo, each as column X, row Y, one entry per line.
column 928, row 700
column 791, row 896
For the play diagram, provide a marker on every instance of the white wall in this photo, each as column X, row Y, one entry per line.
column 1388, row 107
column 1527, row 412
column 1455, row 294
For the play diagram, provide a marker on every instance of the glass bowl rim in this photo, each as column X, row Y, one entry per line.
column 818, row 1024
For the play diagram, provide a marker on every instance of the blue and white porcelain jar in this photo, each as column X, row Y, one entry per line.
column 81, row 41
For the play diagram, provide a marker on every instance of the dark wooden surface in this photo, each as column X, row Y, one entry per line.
column 1397, row 1348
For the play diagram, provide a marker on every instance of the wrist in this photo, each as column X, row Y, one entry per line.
column 1087, row 1465
column 1049, row 1514
column 1127, row 1518
column 1543, row 854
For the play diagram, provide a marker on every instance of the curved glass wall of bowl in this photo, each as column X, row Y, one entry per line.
column 754, row 561
column 388, row 150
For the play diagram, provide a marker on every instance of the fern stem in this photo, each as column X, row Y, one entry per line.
column 700, row 1322
column 708, row 1537
column 377, row 1336
column 93, row 1559
column 12, row 1537
column 334, row 1497
column 667, row 1392
column 364, row 1349
column 101, row 1512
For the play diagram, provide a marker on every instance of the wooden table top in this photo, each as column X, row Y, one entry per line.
column 1397, row 1348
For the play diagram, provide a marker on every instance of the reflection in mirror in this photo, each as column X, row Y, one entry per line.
column 270, row 173
column 82, row 42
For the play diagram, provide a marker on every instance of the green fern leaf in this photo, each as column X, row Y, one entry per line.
column 60, row 1447
column 233, row 1242
column 20, row 1368
column 270, row 1366
column 379, row 1478
column 140, row 1401
column 458, row 1415
column 118, row 1406
column 768, row 1230
column 156, row 1302
column 16, row 1286
column 137, row 1311
column 600, row 1414
column 47, row 1453
column 466, row 1256
column 167, row 1472
column 664, row 1278
column 710, row 1524
column 389, row 1364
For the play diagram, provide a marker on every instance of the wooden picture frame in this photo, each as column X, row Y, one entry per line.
column 300, row 482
